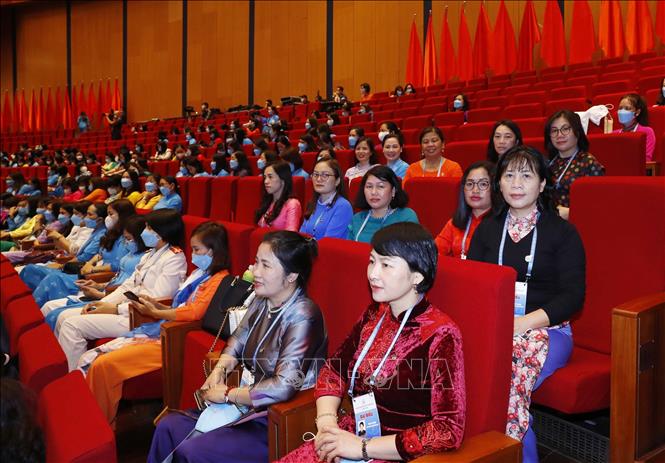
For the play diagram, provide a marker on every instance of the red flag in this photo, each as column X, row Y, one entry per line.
column 67, row 114
column 582, row 34
column 32, row 112
column 116, row 103
column 6, row 123
column 414, row 63
column 92, row 104
column 464, row 57
column 481, row 44
column 447, row 57
column 639, row 30
column 24, row 112
column 57, row 112
column 610, row 29
column 49, row 119
column 16, row 117
column 553, row 44
column 503, row 58
column 660, row 21
column 82, row 103
column 39, row 124
column 529, row 37
column 101, row 106
column 430, row 70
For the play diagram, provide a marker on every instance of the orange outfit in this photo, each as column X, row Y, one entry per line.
column 449, row 240
column 448, row 169
column 109, row 371
column 97, row 195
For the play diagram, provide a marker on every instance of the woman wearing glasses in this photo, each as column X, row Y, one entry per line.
column 569, row 158
column 475, row 202
column 329, row 212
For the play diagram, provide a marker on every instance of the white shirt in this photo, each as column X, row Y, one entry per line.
column 77, row 238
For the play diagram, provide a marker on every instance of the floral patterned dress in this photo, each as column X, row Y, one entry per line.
column 584, row 165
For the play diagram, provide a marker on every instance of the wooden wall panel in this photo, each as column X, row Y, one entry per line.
column 154, row 59
column 217, row 53
column 96, row 30
column 371, row 41
column 41, row 45
column 6, row 54
column 290, row 49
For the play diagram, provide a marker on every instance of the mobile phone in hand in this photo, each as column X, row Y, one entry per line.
column 201, row 404
column 131, row 296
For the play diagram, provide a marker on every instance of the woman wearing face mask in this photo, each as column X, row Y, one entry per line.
column 355, row 134
column 386, row 128
column 282, row 339
column 473, row 205
column 333, row 120
column 218, row 166
column 660, row 101
column 292, row 157
column 109, row 163
column 17, row 185
column 195, row 168
column 306, row 144
column 239, row 164
column 23, row 220
column 158, row 275
column 71, row 190
column 393, row 144
column 548, row 255
column 131, row 234
column 129, row 182
column 112, row 247
column 78, row 234
column 278, row 208
column 168, row 187
column 282, row 142
column 265, row 159
column 434, row 164
column 634, row 117
column 329, row 213
column 461, row 103
column 398, row 91
column 125, row 359
column 569, row 158
column 414, row 420
column 325, row 153
column 151, row 196
column 505, row 134
column 96, row 190
column 311, row 124
column 381, row 202
column 113, row 188
column 366, row 158
column 260, row 146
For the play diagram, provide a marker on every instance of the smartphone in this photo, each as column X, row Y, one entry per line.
column 131, row 296
column 201, row 404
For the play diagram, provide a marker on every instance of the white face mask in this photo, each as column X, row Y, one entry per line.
column 383, row 135
column 110, row 222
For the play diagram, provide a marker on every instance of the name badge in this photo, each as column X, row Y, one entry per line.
column 367, row 416
column 520, row 298
column 247, row 378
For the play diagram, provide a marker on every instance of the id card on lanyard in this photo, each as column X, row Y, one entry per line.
column 521, row 287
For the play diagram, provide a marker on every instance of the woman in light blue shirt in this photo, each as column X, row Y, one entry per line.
column 168, row 187
column 292, row 156
column 329, row 213
column 219, row 166
column 393, row 144
column 382, row 202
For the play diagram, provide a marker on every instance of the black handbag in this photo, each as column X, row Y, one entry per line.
column 231, row 292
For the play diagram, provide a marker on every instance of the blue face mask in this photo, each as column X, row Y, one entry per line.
column 150, row 238
column 22, row 211
column 352, row 141
column 126, row 182
column 188, row 137
column 52, row 180
column 308, row 125
column 302, row 147
column 261, row 164
column 41, row 210
column 9, row 182
column 202, row 261
column 76, row 220
column 457, row 104
column 229, row 151
column 63, row 219
column 184, row 171
column 164, row 190
column 149, row 187
column 48, row 215
column 233, row 163
column 213, row 165
column 625, row 116
column 257, row 151
column 293, row 168
column 90, row 223
column 132, row 247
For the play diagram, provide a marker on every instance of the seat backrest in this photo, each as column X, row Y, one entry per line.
column 183, row 186
column 620, row 153
column 624, row 261
column 477, row 131
column 239, row 236
column 75, row 429
column 249, row 191
column 479, row 298
column 574, row 104
column 466, row 153
column 198, row 196
column 299, row 189
column 484, row 114
column 523, row 111
column 531, row 127
column 434, row 199
column 451, row 118
column 222, row 197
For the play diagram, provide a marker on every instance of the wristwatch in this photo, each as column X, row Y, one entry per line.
column 363, row 448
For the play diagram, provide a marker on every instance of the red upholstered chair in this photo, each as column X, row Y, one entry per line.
column 620, row 153
column 536, row 142
column 7, row 269
column 452, row 118
column 646, row 83
column 11, row 287
column 417, row 122
column 309, row 159
column 491, row 102
column 172, row 167
column 299, row 189
column 620, row 267
column 484, row 114
column 477, row 131
column 75, row 429
column 553, row 77
column 617, row 86
column 183, row 186
column 412, row 135
column 531, row 127
column 489, row 93
column 222, row 197
column 433, row 199
column 20, row 315
column 198, row 196
column 574, row 104
column 41, row 358
column 249, row 191
column 466, row 153
column 346, row 159
column 521, row 111
column 563, row 93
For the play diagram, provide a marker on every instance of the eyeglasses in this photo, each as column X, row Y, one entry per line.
column 322, row 175
column 482, row 185
column 565, row 130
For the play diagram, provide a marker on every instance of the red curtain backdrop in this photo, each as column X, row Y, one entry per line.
column 414, row 63
column 16, row 116
column 6, row 123
column 481, row 44
column 82, row 102
column 639, row 29
column 660, row 21
column 49, row 115
column 464, row 56
column 503, row 58
column 40, row 112
column 92, row 103
column 32, row 113
column 447, row 57
column 610, row 29
column 101, row 104
column 67, row 113
column 529, row 37
column 58, row 108
column 553, row 41
column 582, row 33
column 116, row 103
column 430, row 69
column 24, row 113
column 108, row 98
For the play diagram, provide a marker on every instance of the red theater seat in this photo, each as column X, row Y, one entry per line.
column 20, row 315
column 617, row 86
column 531, row 127
column 12, row 288
column 433, row 199
column 466, row 153
column 452, row 118
column 477, row 131
column 521, row 111
column 75, row 429
column 183, row 186
column 484, row 114
column 40, row 357
column 222, row 197
column 573, row 104
column 417, row 122
column 620, row 153
column 491, row 102
column 198, row 196
column 563, row 93
column 249, row 191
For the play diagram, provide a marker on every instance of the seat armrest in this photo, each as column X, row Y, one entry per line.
column 137, row 319
column 100, row 277
column 43, row 247
column 487, row 447
column 173, row 351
